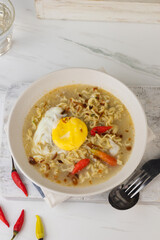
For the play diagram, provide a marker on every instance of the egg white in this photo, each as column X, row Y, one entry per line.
column 42, row 140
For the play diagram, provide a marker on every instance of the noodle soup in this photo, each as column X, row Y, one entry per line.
column 78, row 135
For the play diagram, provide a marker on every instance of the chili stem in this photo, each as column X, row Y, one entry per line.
column 14, row 235
column 13, row 166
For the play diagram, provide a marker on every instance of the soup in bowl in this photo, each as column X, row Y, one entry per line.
column 78, row 132
column 78, row 135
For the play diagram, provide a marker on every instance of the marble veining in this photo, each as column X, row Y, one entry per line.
column 128, row 61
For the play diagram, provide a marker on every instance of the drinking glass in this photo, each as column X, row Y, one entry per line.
column 7, row 16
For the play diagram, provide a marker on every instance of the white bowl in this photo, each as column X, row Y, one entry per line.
column 68, row 77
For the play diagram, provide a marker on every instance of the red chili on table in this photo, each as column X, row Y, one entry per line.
column 3, row 218
column 17, row 180
column 80, row 165
column 99, row 130
column 18, row 225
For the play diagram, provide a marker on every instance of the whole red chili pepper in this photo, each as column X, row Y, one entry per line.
column 80, row 165
column 2, row 217
column 99, row 130
column 105, row 157
column 17, row 180
column 18, row 225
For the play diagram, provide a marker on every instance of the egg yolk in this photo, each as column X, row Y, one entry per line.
column 70, row 133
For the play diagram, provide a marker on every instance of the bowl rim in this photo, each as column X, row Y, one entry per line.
column 67, row 193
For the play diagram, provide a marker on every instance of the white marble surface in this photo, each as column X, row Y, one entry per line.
column 129, row 52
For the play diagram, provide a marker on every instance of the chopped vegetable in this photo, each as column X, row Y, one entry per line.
column 2, row 217
column 17, row 180
column 129, row 148
column 39, row 228
column 74, row 180
column 32, row 161
column 99, row 130
column 18, row 225
column 105, row 157
column 80, row 165
column 114, row 149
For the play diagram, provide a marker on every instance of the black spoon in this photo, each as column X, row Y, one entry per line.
column 127, row 195
column 120, row 200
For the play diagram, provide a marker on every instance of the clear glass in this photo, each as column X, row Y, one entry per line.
column 7, row 16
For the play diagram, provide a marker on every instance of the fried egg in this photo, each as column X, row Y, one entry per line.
column 70, row 133
column 42, row 140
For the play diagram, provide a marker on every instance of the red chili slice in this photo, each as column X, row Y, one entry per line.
column 99, row 130
column 80, row 165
